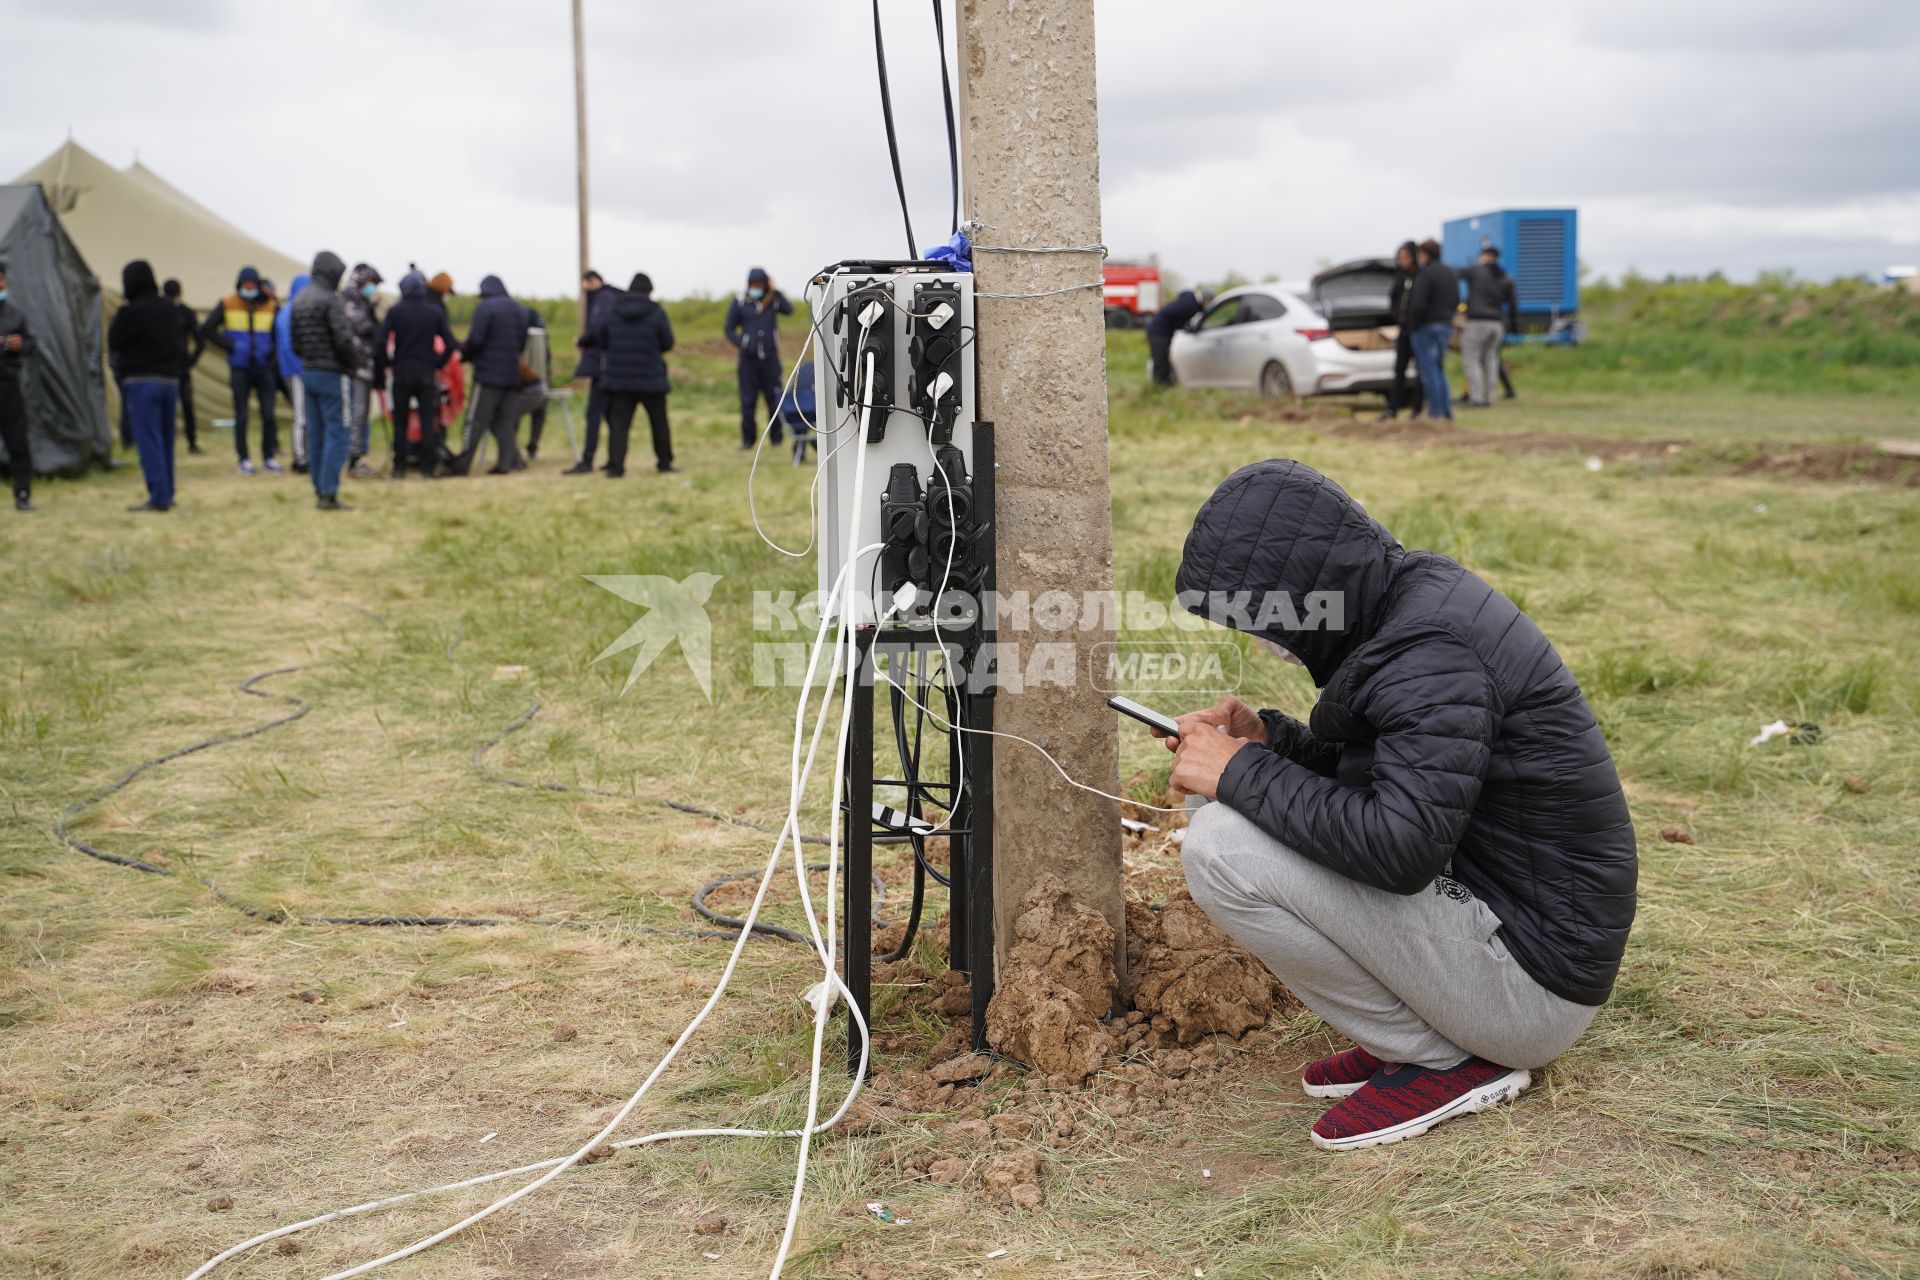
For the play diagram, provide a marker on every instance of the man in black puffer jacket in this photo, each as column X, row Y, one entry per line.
column 323, row 339
column 633, row 341
column 493, row 348
column 1440, row 862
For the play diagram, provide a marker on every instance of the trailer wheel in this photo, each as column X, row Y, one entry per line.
column 1275, row 382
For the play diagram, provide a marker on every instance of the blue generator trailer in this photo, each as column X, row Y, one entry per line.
column 1540, row 247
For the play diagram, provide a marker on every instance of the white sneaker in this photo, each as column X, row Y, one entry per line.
column 246, row 466
column 275, row 467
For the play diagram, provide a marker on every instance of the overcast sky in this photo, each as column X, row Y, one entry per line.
column 1254, row 135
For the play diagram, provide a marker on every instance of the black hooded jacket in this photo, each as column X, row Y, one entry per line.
column 1448, row 737
column 144, row 340
column 632, row 341
column 412, row 325
column 319, row 329
column 496, row 338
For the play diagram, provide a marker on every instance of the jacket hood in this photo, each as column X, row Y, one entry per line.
column 248, row 275
column 1281, row 552
column 491, row 287
column 364, row 274
column 328, row 268
column 137, row 282
column 631, row 306
column 300, row 282
column 413, row 287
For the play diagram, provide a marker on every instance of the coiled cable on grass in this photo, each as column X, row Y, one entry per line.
column 280, row 915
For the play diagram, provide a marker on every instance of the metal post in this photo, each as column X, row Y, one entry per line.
column 858, row 817
column 580, row 145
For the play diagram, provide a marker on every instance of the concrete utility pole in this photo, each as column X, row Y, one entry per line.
column 580, row 144
column 1031, row 153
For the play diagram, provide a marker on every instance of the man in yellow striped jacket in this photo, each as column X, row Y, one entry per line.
column 241, row 325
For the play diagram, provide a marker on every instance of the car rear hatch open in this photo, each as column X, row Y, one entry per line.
column 1354, row 297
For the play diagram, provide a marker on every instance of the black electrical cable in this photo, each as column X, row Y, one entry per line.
column 699, row 901
column 893, row 142
column 946, row 97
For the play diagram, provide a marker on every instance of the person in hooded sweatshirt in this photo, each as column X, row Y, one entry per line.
column 633, row 341
column 492, row 350
column 148, row 352
column 361, row 297
column 324, row 342
column 16, row 344
column 289, row 363
column 600, row 299
column 753, row 327
column 418, row 342
column 190, row 330
column 241, row 325
column 1439, row 862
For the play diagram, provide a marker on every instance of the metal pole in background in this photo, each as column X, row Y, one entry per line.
column 580, row 144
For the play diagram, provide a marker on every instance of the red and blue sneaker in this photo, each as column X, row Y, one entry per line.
column 1407, row 1101
column 1340, row 1075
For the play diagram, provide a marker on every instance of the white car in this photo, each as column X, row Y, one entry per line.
column 1332, row 336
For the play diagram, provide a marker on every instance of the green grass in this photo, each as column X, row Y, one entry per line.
column 1743, row 1107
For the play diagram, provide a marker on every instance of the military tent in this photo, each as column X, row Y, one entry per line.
column 117, row 215
column 49, row 281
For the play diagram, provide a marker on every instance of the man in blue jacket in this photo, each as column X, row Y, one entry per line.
column 289, row 365
column 1166, row 322
column 1439, row 862
column 753, row 327
column 492, row 350
column 241, row 324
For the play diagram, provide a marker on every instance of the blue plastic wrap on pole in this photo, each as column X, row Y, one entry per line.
column 957, row 251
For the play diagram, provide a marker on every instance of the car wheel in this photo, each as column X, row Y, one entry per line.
column 1275, row 384
column 1119, row 318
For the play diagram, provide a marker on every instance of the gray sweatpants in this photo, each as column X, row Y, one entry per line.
column 1480, row 353
column 1420, row 978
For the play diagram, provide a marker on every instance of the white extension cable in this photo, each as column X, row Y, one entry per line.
column 831, row 985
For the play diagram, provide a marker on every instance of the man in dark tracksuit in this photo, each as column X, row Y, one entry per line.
column 1400, row 395
column 634, row 339
column 16, row 344
column 189, row 326
column 323, row 341
column 600, row 299
column 1166, row 322
column 492, row 350
column 753, row 327
column 416, row 359
column 241, row 325
column 1439, row 862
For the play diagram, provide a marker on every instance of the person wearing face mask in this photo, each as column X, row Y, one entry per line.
column 753, row 327
column 1439, row 861
column 16, row 344
column 363, row 313
column 241, row 324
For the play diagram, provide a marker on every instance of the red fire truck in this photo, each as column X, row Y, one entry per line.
column 1132, row 291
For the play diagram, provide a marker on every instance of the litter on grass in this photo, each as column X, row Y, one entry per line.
column 880, row 1211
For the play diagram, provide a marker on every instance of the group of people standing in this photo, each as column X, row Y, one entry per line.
column 329, row 351
column 1426, row 299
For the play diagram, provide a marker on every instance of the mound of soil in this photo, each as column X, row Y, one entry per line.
column 1056, row 985
column 1191, row 979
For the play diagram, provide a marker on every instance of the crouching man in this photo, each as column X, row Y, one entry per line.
column 1439, row 862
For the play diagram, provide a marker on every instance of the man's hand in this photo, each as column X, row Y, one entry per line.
column 1200, row 757
column 1233, row 716
column 13, row 342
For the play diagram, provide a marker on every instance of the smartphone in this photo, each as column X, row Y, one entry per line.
column 1146, row 716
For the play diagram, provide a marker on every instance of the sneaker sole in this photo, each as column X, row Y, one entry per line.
column 1330, row 1090
column 1487, row 1096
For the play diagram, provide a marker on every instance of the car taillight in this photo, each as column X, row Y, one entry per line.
column 1314, row 335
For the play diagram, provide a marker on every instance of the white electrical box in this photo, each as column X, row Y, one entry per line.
column 892, row 317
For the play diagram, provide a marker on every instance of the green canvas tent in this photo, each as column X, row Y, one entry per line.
column 117, row 215
column 49, row 280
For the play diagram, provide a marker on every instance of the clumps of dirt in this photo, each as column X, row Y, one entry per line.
column 1834, row 462
column 1056, row 985
column 1190, row 980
